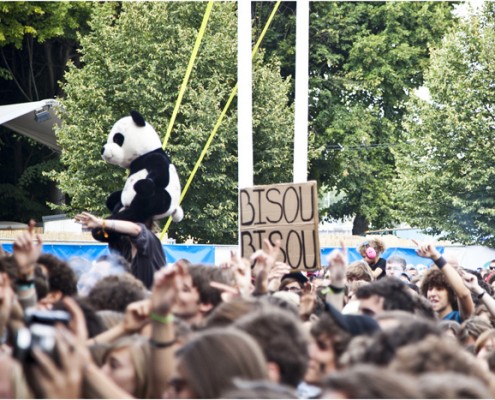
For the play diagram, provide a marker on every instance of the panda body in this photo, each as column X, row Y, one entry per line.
column 152, row 189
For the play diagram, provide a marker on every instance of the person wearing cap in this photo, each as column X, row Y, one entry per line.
column 371, row 251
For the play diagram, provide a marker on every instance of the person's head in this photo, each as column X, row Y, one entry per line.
column 385, row 294
column 228, row 312
column 116, row 292
column 369, row 382
column 438, row 291
column 207, row 365
column 385, row 344
column 451, row 385
column 450, row 328
column 94, row 324
column 198, row 301
column 371, row 250
column 471, row 329
column 291, row 285
column 395, row 266
column 283, row 341
column 438, row 354
column 61, row 278
column 411, row 270
column 485, row 343
column 359, row 271
column 127, row 364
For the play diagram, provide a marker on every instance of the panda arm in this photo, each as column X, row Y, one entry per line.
column 158, row 167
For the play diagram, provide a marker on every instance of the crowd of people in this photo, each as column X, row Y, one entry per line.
column 129, row 327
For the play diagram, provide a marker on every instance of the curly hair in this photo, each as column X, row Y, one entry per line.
column 377, row 244
column 435, row 278
column 61, row 277
column 116, row 292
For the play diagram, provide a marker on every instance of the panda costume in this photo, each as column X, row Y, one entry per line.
column 151, row 192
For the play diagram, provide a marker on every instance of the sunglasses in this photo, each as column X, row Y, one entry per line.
column 492, row 267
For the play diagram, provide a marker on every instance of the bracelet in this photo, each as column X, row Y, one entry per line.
column 440, row 262
column 162, row 319
column 103, row 226
column 480, row 296
column 332, row 289
column 162, row 345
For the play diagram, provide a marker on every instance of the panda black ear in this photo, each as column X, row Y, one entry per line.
column 138, row 118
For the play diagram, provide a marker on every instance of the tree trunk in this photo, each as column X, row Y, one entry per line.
column 360, row 225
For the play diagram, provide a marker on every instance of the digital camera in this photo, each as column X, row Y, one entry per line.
column 38, row 333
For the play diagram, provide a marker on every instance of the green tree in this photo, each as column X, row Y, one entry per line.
column 364, row 60
column 447, row 175
column 36, row 40
column 137, row 60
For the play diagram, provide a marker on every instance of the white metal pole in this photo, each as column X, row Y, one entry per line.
column 301, row 93
column 244, row 94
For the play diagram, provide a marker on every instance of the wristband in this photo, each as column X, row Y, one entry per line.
column 24, row 284
column 162, row 319
column 332, row 289
column 440, row 262
column 162, row 345
column 480, row 296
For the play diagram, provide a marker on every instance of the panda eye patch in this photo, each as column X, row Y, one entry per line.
column 118, row 138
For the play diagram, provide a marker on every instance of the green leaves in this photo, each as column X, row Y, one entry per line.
column 447, row 175
column 136, row 59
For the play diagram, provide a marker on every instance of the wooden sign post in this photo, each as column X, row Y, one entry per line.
column 285, row 212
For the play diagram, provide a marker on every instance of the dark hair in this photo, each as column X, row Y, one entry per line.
column 339, row 338
column 61, row 277
column 385, row 344
column 116, row 292
column 282, row 339
column 94, row 323
column 202, row 275
column 435, row 278
column 395, row 293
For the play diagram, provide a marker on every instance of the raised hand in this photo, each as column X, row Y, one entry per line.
column 64, row 381
column 88, row 220
column 136, row 315
column 27, row 249
column 427, row 251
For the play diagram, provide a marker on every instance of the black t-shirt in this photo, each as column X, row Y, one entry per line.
column 149, row 258
column 382, row 264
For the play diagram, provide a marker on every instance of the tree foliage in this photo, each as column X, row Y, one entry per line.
column 136, row 59
column 36, row 40
column 447, row 175
column 364, row 60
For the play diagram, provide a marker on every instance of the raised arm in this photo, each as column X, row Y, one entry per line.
column 90, row 221
column 464, row 300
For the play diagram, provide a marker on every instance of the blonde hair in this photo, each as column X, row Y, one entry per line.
column 377, row 244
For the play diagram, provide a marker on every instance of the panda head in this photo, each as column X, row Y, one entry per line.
column 129, row 138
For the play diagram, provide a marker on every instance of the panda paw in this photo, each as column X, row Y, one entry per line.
column 178, row 214
column 145, row 187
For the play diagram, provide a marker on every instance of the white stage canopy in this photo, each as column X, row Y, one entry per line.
column 35, row 120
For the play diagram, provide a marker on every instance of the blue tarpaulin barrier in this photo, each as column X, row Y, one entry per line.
column 204, row 254
column 195, row 253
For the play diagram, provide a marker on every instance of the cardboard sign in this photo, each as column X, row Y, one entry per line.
column 285, row 212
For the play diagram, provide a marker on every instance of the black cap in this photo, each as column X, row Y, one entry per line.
column 298, row 276
column 353, row 324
